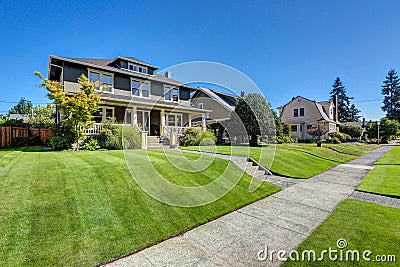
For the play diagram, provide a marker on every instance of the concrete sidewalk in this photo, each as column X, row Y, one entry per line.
column 281, row 221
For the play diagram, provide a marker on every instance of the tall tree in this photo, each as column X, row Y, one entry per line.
column 23, row 107
column 391, row 92
column 346, row 110
column 353, row 113
column 255, row 113
column 77, row 109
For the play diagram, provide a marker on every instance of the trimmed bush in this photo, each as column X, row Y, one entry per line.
column 91, row 145
column 60, row 143
column 353, row 131
column 342, row 137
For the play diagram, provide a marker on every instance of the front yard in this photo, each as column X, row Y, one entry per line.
column 364, row 226
column 385, row 177
column 84, row 208
column 297, row 160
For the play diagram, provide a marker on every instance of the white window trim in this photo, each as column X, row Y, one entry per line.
column 298, row 112
column 200, row 104
column 137, row 66
column 140, row 88
column 101, row 73
column 175, row 115
column 171, row 88
column 104, row 118
column 304, row 111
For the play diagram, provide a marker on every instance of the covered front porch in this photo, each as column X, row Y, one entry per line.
column 155, row 121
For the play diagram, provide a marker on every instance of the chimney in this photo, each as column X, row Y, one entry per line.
column 242, row 93
column 336, row 109
column 168, row 74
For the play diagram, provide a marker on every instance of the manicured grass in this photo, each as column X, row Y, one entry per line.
column 365, row 226
column 84, row 208
column 296, row 160
column 385, row 177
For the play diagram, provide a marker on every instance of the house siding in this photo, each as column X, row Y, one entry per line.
column 72, row 72
column 218, row 111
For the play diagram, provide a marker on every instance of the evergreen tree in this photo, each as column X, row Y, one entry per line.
column 346, row 111
column 23, row 107
column 354, row 113
column 391, row 92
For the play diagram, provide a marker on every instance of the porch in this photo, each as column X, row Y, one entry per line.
column 155, row 122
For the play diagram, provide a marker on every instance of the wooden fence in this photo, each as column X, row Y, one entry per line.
column 8, row 133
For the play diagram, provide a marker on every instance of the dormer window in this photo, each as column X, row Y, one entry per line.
column 137, row 68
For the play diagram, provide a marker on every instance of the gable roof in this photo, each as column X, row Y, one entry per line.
column 220, row 97
column 109, row 65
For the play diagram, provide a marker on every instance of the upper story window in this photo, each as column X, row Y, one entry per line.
column 137, row 68
column 141, row 89
column 106, row 80
column 298, row 112
column 171, row 94
column 200, row 106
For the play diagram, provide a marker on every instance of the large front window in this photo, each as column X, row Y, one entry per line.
column 105, row 80
column 174, row 120
column 141, row 89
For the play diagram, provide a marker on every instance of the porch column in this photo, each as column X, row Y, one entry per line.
column 134, row 115
column 162, row 120
column 190, row 120
column 203, row 122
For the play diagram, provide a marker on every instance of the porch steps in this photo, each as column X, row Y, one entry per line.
column 154, row 142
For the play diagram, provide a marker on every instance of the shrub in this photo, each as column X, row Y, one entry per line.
column 91, row 145
column 342, row 137
column 119, row 137
column 284, row 139
column 59, row 143
column 335, row 140
column 195, row 137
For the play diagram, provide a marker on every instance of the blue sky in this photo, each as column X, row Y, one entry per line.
column 287, row 48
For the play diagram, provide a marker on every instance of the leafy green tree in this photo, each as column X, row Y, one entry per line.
column 391, row 92
column 23, row 107
column 77, row 110
column 387, row 129
column 283, row 130
column 346, row 111
column 42, row 116
column 256, row 115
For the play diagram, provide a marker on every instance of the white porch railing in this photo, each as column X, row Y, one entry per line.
column 167, row 130
column 98, row 127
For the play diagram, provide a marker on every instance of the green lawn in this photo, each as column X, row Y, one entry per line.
column 385, row 177
column 83, row 208
column 365, row 226
column 296, row 160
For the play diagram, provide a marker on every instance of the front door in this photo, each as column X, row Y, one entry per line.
column 143, row 119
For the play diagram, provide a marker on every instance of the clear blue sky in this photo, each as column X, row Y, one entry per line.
column 288, row 48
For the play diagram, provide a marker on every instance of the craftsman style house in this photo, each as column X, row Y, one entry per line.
column 303, row 114
column 134, row 95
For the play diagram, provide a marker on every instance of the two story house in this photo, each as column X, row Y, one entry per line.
column 303, row 114
column 135, row 94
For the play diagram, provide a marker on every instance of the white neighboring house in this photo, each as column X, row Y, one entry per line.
column 303, row 114
column 23, row 117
